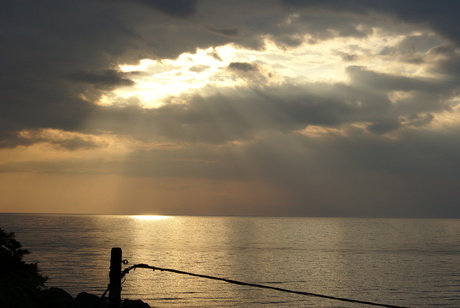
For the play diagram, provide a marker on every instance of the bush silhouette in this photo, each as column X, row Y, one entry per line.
column 21, row 283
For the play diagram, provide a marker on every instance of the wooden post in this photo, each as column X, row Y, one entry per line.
column 115, row 278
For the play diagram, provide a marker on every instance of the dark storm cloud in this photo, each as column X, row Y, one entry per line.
column 76, row 143
column 253, row 73
column 419, row 120
column 387, row 82
column 66, row 143
column 413, row 49
column 242, row 66
column 228, row 32
column 199, row 68
column 54, row 51
column 43, row 42
column 175, row 8
column 447, row 64
column 441, row 15
column 107, row 80
column 348, row 57
column 413, row 44
column 327, row 27
column 384, row 126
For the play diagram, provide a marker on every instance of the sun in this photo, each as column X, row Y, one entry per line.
column 149, row 217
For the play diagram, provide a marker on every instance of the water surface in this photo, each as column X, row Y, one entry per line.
column 406, row 262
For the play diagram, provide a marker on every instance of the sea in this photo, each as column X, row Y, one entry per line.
column 400, row 262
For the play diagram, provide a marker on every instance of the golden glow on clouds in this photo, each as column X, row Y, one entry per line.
column 56, row 135
column 325, row 61
column 66, row 151
column 447, row 120
column 317, row 131
column 397, row 96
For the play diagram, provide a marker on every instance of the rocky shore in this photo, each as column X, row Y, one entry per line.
column 59, row 298
column 22, row 285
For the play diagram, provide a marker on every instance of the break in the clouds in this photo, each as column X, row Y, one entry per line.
column 334, row 108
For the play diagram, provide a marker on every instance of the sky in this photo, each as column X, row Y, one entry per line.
column 211, row 107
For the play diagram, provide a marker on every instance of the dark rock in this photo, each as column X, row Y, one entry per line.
column 129, row 303
column 57, row 298
column 86, row 300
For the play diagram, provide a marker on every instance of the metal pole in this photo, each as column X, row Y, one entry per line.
column 115, row 278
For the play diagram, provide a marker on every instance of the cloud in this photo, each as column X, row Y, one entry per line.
column 414, row 44
column 446, row 64
column 41, row 47
column 243, row 67
column 174, row 8
column 106, row 80
column 441, row 16
column 68, row 141
column 253, row 73
column 244, row 113
column 360, row 175
column 371, row 131
column 199, row 68
column 227, row 32
column 43, row 44
column 384, row 126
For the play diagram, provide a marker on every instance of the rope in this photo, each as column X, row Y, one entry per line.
column 127, row 270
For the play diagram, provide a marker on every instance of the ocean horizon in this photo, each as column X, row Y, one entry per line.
column 411, row 262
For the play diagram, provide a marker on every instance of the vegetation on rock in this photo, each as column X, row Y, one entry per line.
column 21, row 283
